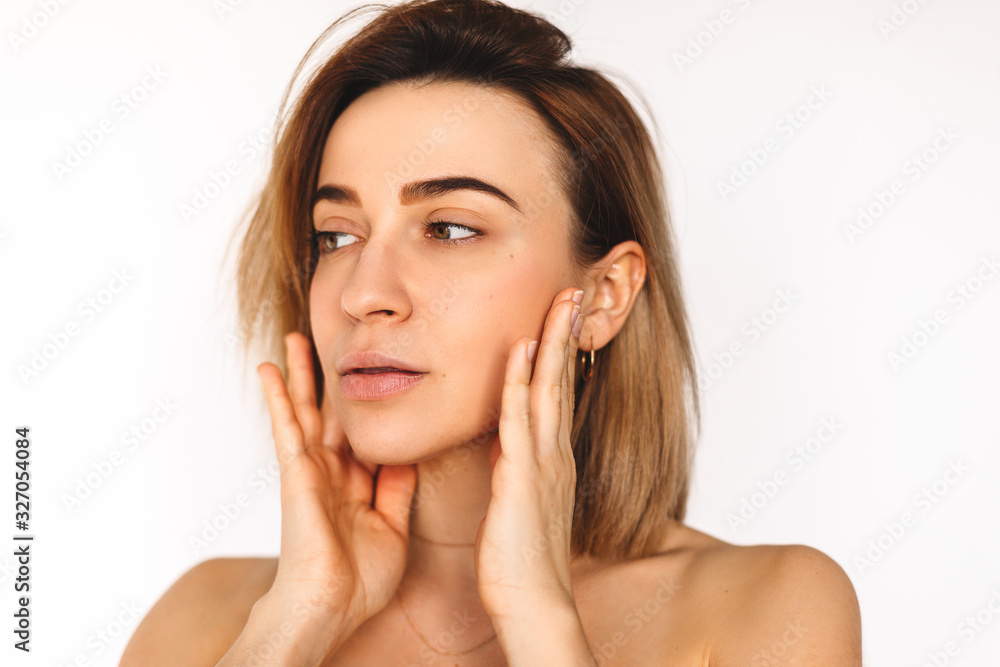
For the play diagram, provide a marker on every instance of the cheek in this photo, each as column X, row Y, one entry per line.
column 324, row 303
column 529, row 288
column 513, row 304
column 477, row 338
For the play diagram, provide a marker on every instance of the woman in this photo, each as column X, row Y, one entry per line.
column 455, row 220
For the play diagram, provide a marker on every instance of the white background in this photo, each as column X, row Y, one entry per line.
column 169, row 335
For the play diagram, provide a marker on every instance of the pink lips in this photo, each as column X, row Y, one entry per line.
column 361, row 386
column 352, row 361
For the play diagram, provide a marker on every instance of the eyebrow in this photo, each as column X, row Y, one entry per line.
column 417, row 190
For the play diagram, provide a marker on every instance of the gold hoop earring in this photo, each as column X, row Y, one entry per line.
column 588, row 369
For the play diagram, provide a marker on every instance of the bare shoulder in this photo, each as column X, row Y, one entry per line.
column 769, row 603
column 201, row 614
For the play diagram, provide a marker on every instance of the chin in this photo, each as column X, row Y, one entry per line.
column 389, row 456
column 407, row 447
column 387, row 449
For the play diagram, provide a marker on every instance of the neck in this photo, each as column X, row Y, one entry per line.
column 439, row 587
column 450, row 501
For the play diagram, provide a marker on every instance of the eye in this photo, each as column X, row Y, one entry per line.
column 325, row 243
column 441, row 224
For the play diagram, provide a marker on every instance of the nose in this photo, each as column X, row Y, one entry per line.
column 376, row 289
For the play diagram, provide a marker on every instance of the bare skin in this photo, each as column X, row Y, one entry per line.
column 463, row 314
column 699, row 602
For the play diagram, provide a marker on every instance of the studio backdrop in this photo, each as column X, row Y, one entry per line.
column 832, row 175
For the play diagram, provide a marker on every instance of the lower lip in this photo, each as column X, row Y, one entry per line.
column 376, row 386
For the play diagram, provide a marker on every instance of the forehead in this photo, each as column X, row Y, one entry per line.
column 403, row 131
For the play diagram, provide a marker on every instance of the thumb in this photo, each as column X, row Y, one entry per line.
column 394, row 493
column 495, row 450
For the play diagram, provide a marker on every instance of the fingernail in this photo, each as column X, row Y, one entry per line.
column 578, row 326
column 578, row 297
column 531, row 350
column 573, row 315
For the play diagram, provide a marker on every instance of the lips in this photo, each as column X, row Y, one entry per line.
column 373, row 361
column 375, row 384
column 383, row 369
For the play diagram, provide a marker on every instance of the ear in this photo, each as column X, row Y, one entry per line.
column 611, row 287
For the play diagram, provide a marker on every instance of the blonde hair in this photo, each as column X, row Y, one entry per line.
column 632, row 439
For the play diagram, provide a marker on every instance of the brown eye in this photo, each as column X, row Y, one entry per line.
column 325, row 243
column 439, row 231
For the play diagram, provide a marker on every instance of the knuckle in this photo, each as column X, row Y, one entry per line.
column 516, row 416
column 554, row 391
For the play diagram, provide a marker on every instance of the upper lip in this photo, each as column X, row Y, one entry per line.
column 371, row 359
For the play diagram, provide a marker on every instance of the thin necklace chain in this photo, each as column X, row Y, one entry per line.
column 444, row 544
column 427, row 641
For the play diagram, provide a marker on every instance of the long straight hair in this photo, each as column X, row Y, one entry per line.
column 634, row 420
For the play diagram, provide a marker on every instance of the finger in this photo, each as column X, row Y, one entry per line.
column 515, row 424
column 569, row 387
column 288, row 439
column 333, row 434
column 365, row 463
column 302, row 386
column 494, row 454
column 547, row 382
column 394, row 494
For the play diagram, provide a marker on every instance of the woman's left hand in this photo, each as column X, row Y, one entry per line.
column 523, row 548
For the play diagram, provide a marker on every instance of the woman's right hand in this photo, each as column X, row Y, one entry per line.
column 341, row 557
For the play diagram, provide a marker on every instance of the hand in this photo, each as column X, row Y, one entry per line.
column 339, row 555
column 523, row 550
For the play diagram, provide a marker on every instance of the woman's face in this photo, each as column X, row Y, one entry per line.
column 384, row 282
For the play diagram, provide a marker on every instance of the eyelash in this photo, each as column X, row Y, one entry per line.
column 316, row 236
